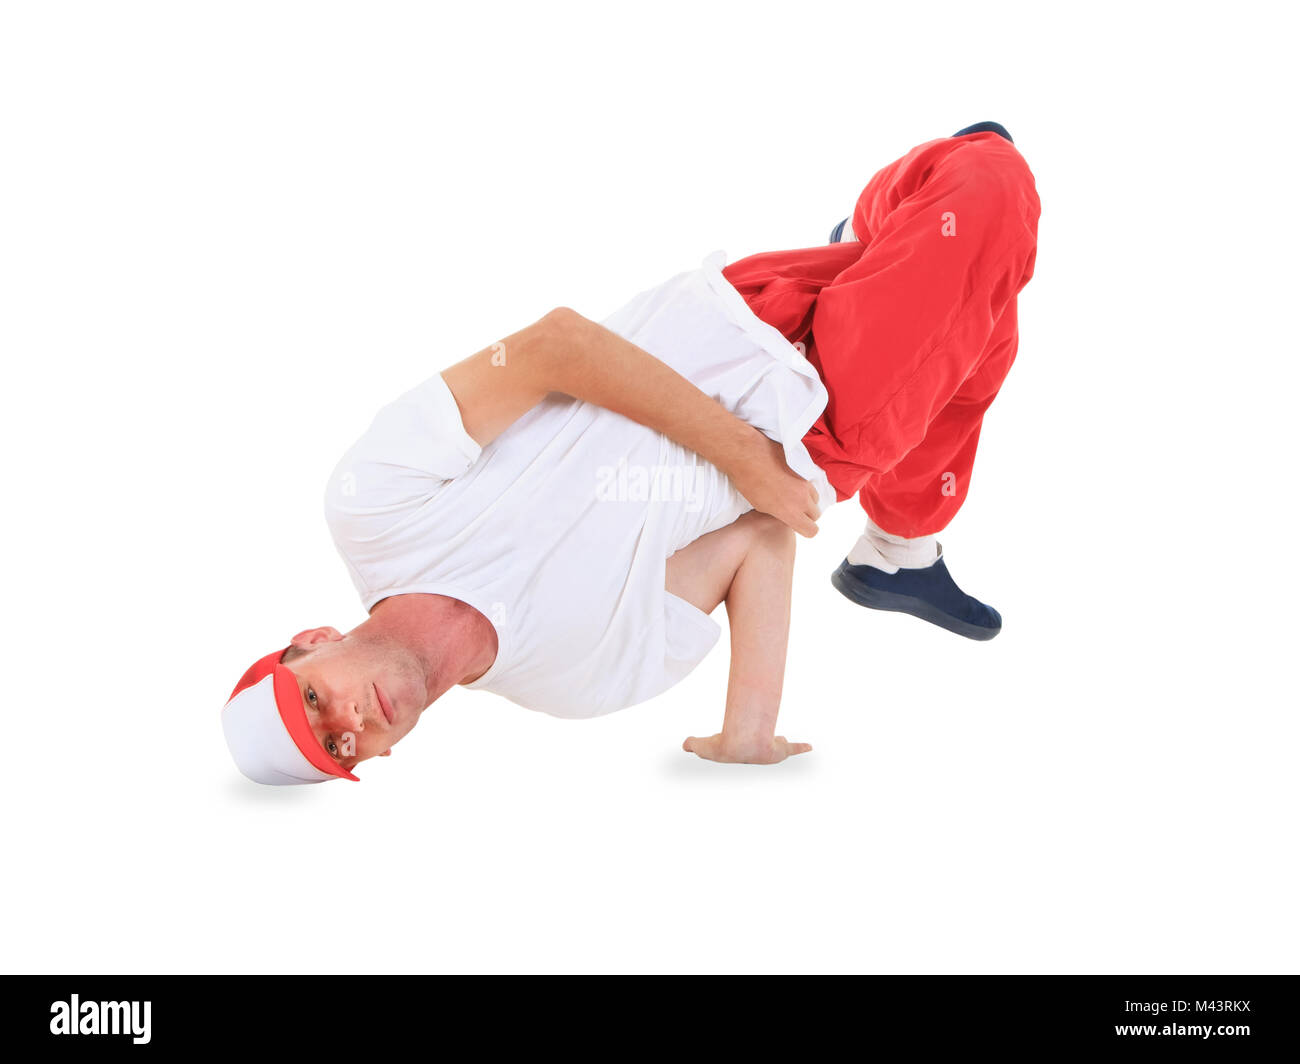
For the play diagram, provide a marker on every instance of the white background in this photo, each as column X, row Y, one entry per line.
column 232, row 231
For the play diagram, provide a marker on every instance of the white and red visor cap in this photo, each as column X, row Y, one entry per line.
column 267, row 730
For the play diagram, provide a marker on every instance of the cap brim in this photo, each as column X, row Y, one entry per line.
column 288, row 700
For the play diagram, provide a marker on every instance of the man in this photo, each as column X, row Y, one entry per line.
column 554, row 518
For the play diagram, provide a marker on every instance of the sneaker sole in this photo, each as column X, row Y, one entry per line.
column 875, row 599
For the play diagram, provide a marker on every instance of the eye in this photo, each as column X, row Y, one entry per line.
column 311, row 697
column 332, row 747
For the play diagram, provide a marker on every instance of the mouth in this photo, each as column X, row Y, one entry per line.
column 384, row 704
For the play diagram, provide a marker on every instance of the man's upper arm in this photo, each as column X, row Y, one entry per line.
column 495, row 387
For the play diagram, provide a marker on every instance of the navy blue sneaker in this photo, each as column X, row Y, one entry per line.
column 986, row 127
column 929, row 593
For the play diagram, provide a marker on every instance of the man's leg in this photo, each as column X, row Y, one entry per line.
column 909, row 318
column 749, row 565
column 944, row 370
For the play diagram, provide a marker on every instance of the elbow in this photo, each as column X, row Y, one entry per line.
column 547, row 346
column 561, row 330
column 562, row 320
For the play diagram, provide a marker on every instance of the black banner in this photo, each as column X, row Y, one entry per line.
column 1224, row 1016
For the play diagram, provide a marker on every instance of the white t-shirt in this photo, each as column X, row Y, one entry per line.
column 558, row 531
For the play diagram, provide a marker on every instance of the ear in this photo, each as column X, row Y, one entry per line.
column 387, row 753
column 312, row 636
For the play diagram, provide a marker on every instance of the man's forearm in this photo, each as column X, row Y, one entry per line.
column 758, row 614
column 749, row 564
column 590, row 362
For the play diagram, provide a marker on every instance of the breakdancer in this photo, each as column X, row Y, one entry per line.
column 554, row 518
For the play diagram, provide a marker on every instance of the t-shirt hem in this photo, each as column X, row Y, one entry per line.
column 698, row 617
column 773, row 342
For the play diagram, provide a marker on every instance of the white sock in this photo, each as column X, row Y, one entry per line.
column 889, row 553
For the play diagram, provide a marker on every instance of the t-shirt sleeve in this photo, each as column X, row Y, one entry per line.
column 414, row 445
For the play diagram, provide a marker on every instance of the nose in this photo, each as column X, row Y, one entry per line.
column 346, row 716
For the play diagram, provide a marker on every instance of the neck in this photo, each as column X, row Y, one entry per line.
column 451, row 640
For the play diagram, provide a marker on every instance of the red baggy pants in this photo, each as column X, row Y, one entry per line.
column 913, row 328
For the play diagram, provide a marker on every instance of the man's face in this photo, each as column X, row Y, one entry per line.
column 360, row 696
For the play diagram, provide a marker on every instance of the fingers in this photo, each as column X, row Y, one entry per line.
column 793, row 748
column 805, row 523
column 813, row 509
column 699, row 747
column 702, row 748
